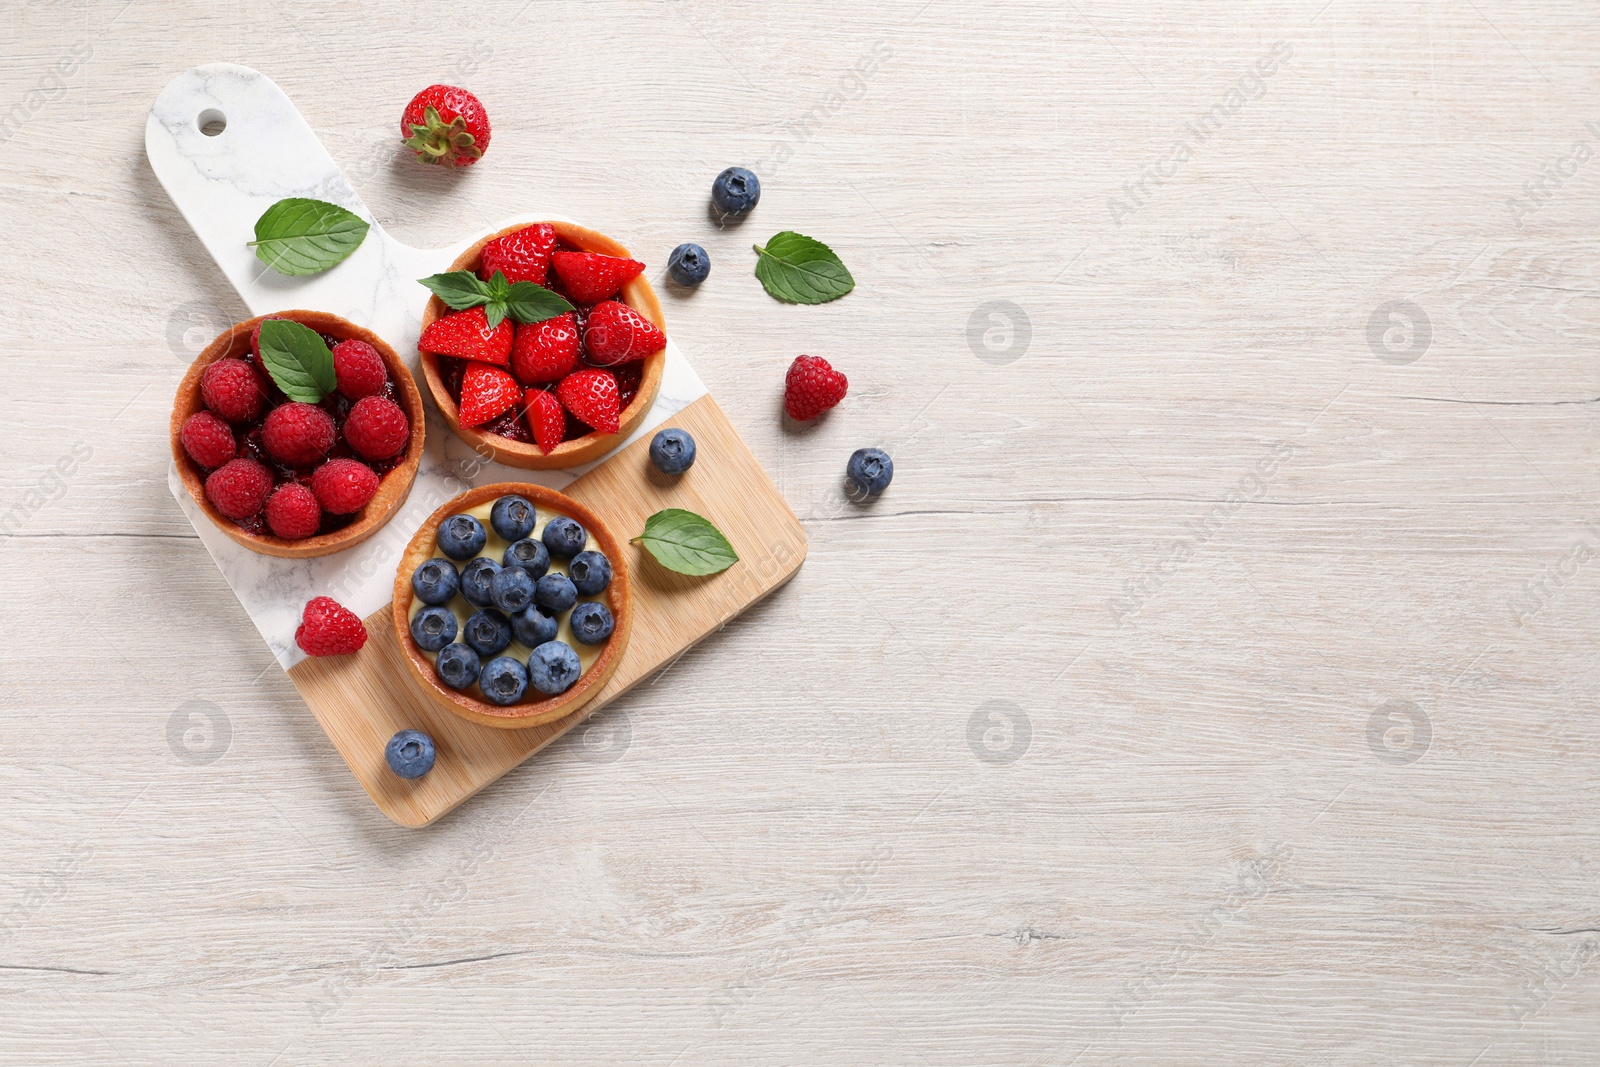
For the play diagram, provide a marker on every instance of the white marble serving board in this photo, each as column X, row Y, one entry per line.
column 222, row 184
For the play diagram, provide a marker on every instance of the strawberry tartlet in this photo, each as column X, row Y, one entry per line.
column 565, row 389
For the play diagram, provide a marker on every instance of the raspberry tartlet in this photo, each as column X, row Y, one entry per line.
column 290, row 478
column 521, row 579
column 563, row 391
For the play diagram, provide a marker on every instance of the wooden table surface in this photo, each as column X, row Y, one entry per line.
column 1216, row 683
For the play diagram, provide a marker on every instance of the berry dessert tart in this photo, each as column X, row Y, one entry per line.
column 302, row 475
column 559, row 391
column 512, row 605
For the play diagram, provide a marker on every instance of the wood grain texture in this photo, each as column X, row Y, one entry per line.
column 801, row 842
column 363, row 700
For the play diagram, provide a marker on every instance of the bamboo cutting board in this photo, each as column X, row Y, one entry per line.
column 226, row 143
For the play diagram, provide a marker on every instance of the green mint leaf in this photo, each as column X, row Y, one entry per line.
column 495, row 312
column 459, row 289
column 498, row 286
column 297, row 359
column 299, row 236
column 527, row 302
column 802, row 270
column 682, row 541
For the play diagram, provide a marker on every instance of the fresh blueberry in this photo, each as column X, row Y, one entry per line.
column 869, row 471
column 553, row 667
column 555, row 593
column 476, row 577
column 410, row 753
column 488, row 632
column 503, row 680
column 688, row 264
column 564, row 537
column 435, row 582
column 458, row 666
column 592, row 622
column 735, row 191
column 590, row 573
column 461, row 537
column 512, row 517
column 511, row 589
column 672, row 451
column 528, row 554
column 432, row 628
column 533, row 627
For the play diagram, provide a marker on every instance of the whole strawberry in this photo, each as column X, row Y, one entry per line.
column 446, row 125
column 812, row 387
column 327, row 628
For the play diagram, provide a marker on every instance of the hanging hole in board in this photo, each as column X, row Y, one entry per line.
column 211, row 122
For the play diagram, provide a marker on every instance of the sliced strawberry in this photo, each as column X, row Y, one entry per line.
column 618, row 334
column 486, row 392
column 547, row 418
column 545, row 351
column 467, row 334
column 591, row 277
column 523, row 256
column 592, row 396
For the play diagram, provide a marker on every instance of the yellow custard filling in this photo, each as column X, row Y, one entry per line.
column 495, row 548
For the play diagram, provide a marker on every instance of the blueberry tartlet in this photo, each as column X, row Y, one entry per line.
column 512, row 605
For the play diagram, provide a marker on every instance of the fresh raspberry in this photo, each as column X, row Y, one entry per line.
column 545, row 351
column 239, row 488
column 523, row 256
column 616, row 333
column 812, row 387
column 377, row 428
column 328, row 628
column 343, row 486
column 232, row 390
column 208, row 440
column 292, row 512
column 358, row 368
column 298, row 434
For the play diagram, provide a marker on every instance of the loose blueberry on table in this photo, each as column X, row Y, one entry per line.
column 410, row 754
column 869, row 471
column 672, row 451
column 735, row 191
column 510, row 611
column 559, row 378
column 689, row 264
column 290, row 468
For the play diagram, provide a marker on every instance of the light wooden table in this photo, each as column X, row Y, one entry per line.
column 1216, row 683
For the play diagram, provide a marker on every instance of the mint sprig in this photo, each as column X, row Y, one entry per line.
column 298, row 236
column 524, row 302
column 686, row 543
column 802, row 270
column 298, row 360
